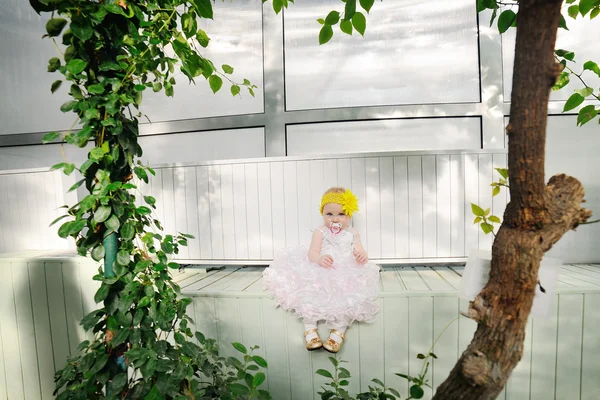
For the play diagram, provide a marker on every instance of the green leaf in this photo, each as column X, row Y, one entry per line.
column 574, row 101
column 98, row 88
column 503, row 172
column 416, row 392
column 567, row 54
column 344, row 373
column 102, row 213
column 495, row 191
column 494, row 219
column 562, row 23
column 585, row 92
column 332, row 18
column 156, row 87
column 259, row 378
column 240, row 347
column 260, row 361
column 321, row 21
column 235, row 90
column 562, row 81
column 325, row 373
column 595, row 13
column 55, row 26
column 113, row 223
column 117, row 383
column 215, row 82
column 236, row 388
column 506, row 19
column 148, row 368
column 82, row 28
column 127, row 230
column 101, row 293
column 377, row 381
column 98, row 252
column 349, row 9
column 367, row 4
column 123, row 257
column 346, row 27
column 585, row 6
column 53, row 64
column 573, row 11
column 76, row 65
column 277, row 5
column 487, row 228
column 67, row 106
column 421, row 356
column 586, row 114
column 48, row 137
column 55, row 85
column 477, row 211
column 202, row 38
column 325, row 34
column 359, row 22
column 591, row 66
column 143, row 210
column 227, row 69
column 203, row 8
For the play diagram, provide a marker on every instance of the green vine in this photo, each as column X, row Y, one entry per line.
column 142, row 346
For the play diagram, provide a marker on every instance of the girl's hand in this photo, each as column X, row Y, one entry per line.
column 325, row 261
column 361, row 256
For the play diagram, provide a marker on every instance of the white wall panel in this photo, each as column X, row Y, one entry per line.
column 384, row 135
column 401, row 38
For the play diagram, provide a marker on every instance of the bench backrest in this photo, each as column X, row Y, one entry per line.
column 414, row 207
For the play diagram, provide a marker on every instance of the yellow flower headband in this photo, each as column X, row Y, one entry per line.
column 348, row 201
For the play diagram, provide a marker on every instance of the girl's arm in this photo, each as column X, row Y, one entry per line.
column 359, row 251
column 314, row 251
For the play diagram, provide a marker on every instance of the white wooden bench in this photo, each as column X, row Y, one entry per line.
column 45, row 295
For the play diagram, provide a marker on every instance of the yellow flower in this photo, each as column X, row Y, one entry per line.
column 349, row 203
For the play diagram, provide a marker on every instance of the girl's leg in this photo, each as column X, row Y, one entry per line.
column 309, row 326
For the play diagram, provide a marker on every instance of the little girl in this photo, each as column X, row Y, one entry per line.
column 329, row 281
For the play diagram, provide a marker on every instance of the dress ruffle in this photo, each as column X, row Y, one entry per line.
column 340, row 295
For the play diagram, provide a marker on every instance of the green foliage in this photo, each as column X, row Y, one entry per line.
column 483, row 217
column 115, row 51
column 340, row 378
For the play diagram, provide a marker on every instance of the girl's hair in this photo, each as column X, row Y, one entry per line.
column 335, row 190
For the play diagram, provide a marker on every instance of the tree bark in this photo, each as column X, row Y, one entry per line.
column 537, row 216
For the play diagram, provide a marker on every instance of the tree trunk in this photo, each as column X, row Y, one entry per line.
column 537, row 216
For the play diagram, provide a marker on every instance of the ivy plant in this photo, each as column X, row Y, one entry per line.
column 143, row 346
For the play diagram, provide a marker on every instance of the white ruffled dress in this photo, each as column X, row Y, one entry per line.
column 339, row 295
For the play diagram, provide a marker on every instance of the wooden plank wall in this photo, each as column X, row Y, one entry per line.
column 42, row 301
column 412, row 207
column 560, row 358
column 29, row 202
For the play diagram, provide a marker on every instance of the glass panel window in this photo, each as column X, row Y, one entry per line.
column 413, row 52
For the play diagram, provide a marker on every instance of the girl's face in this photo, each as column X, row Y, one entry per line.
column 332, row 212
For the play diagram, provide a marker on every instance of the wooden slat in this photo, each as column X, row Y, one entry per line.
column 372, row 206
column 253, row 331
column 264, row 211
column 228, row 322
column 433, row 279
column 590, row 363
column 576, row 282
column 391, row 281
column 253, row 222
column 359, row 188
column 191, row 206
column 415, row 207
column 216, row 212
column 386, row 195
column 485, row 195
column 445, row 330
column 10, row 338
column 518, row 387
column 6, row 239
column 411, row 279
column 205, row 317
column 430, row 212
column 246, row 279
column 449, row 275
column 580, row 274
column 196, row 286
column 290, row 195
column 257, row 286
column 457, row 202
column 25, row 330
column 227, row 212
column 569, row 346
column 58, row 317
column 180, row 208
column 3, row 384
column 372, row 351
column 278, row 209
column 239, row 211
column 276, row 350
column 203, row 210
column 420, row 333
column 224, row 283
column 543, row 354
column 471, row 185
column 443, row 211
column 401, row 220
column 305, row 207
column 396, row 342
column 300, row 366
column 73, row 302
